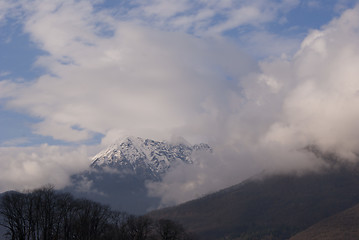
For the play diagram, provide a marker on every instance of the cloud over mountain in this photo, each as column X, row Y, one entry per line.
column 30, row 167
column 164, row 68
column 310, row 99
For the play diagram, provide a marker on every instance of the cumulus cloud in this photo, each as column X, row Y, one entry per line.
column 139, row 79
column 321, row 106
column 130, row 80
column 31, row 167
column 310, row 99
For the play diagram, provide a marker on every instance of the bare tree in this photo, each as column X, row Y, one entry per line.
column 44, row 214
column 136, row 228
column 12, row 208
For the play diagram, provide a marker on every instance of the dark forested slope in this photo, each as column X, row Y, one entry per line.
column 276, row 207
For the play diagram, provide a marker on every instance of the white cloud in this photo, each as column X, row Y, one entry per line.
column 138, row 80
column 4, row 74
column 15, row 141
column 208, row 17
column 310, row 99
column 5, row 7
column 161, row 8
column 242, row 16
column 314, row 4
column 263, row 44
column 321, row 107
column 228, row 166
column 342, row 5
column 61, row 130
column 31, row 167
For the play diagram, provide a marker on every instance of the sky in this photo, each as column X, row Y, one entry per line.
column 260, row 80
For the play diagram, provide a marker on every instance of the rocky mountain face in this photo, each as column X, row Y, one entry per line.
column 118, row 174
column 145, row 157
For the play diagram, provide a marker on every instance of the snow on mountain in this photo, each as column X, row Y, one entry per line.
column 145, row 157
column 119, row 174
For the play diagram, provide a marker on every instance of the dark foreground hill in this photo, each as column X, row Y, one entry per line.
column 342, row 226
column 276, row 207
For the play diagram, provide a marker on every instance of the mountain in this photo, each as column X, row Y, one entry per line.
column 275, row 207
column 341, row 226
column 118, row 174
column 145, row 157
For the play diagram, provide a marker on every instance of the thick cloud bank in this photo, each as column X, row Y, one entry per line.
column 31, row 167
column 137, row 79
column 320, row 105
column 310, row 99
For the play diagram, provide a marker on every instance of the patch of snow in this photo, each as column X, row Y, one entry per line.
column 146, row 156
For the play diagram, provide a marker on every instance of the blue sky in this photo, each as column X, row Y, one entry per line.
column 76, row 75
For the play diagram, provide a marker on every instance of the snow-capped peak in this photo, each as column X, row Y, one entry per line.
column 146, row 156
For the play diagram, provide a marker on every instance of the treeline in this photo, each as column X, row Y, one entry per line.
column 44, row 214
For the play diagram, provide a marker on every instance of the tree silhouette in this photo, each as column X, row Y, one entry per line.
column 44, row 214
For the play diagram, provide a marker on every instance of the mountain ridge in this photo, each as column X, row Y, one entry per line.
column 146, row 156
column 119, row 173
column 275, row 207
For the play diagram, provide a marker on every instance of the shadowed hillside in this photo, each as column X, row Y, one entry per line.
column 273, row 208
column 342, row 226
